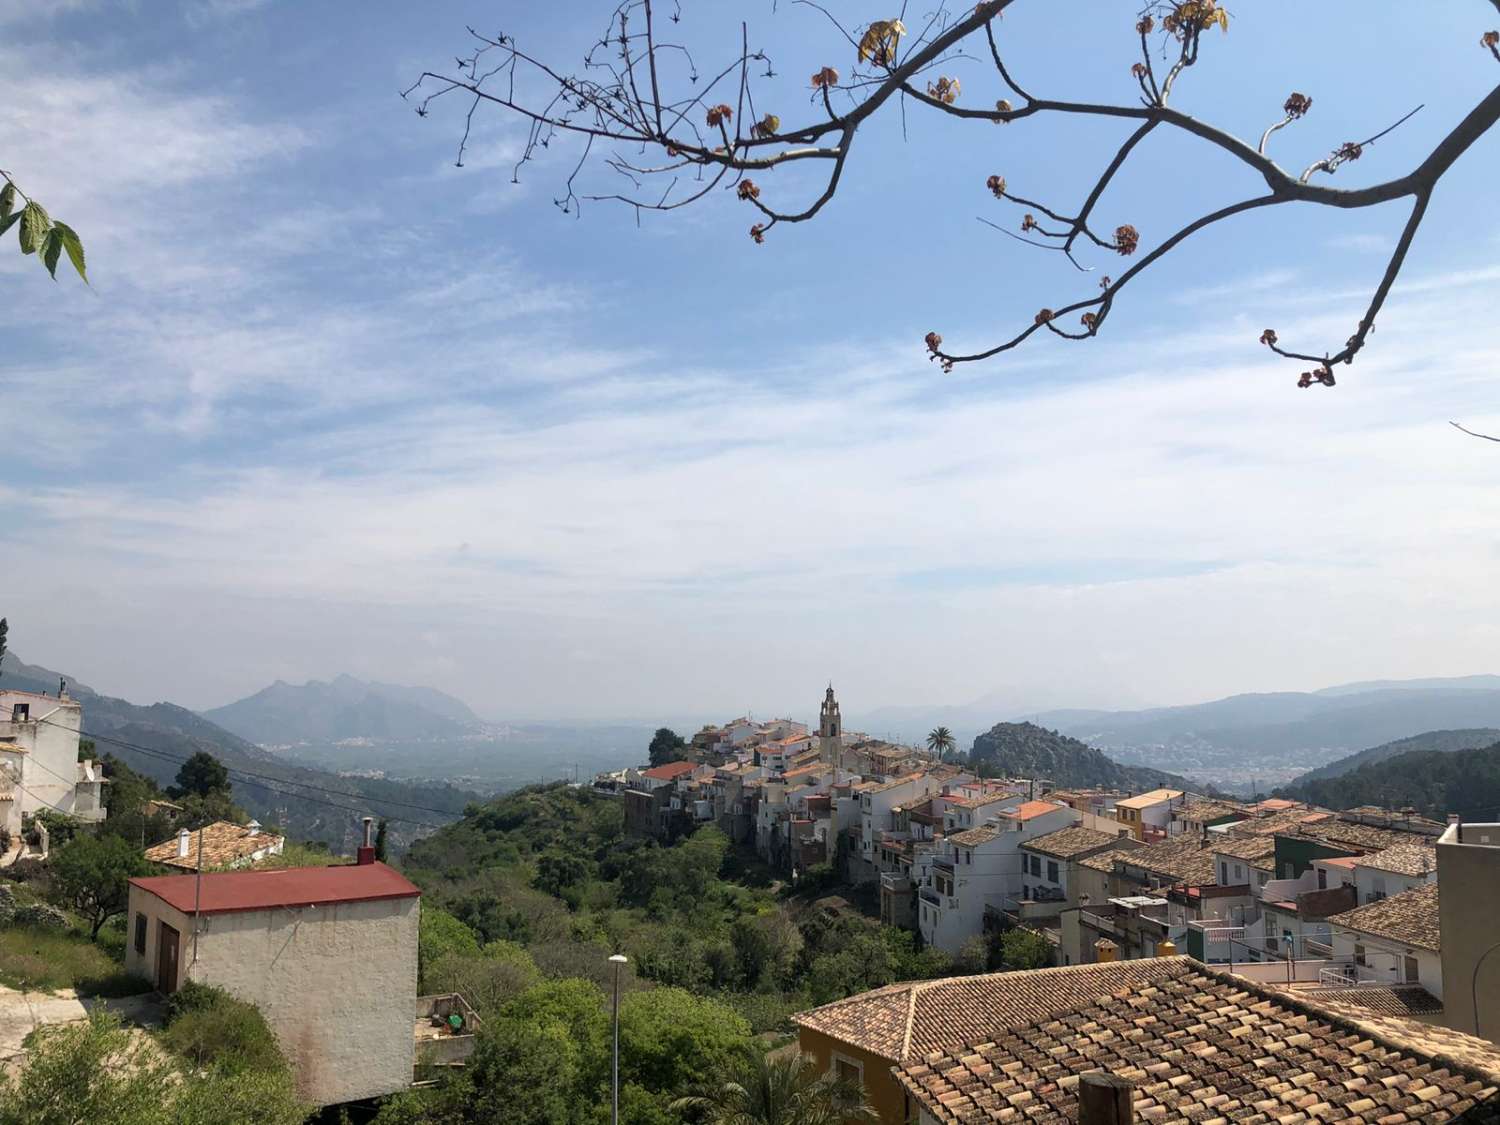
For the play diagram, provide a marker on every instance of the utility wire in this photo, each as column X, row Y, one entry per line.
column 260, row 781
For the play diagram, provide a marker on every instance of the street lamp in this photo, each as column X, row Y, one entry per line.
column 618, row 960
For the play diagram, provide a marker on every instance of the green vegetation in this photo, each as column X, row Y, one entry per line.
column 666, row 746
column 1027, row 750
column 211, row 1029
column 97, row 1070
column 782, row 1089
column 91, row 875
column 527, row 897
column 1469, row 739
column 45, row 960
column 1433, row 782
column 941, row 742
column 39, row 234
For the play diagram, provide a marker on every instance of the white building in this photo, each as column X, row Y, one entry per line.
column 981, row 866
column 39, row 766
column 328, row 955
column 1395, row 940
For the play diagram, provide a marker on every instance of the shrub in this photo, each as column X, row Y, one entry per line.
column 7, row 905
column 60, row 827
column 210, row 1028
column 39, row 916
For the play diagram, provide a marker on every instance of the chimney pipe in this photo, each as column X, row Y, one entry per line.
column 1105, row 1099
column 253, row 828
column 366, row 854
column 1456, row 822
column 182, row 843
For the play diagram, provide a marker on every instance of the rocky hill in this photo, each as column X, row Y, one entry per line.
column 342, row 708
column 1027, row 750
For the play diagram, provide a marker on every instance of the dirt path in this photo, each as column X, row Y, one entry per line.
column 21, row 1013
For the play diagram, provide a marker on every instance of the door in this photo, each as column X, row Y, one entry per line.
column 166, row 960
column 1411, row 972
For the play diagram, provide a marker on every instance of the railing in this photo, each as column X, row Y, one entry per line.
column 1101, row 922
column 930, row 895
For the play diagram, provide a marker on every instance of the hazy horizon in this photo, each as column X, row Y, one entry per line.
column 333, row 404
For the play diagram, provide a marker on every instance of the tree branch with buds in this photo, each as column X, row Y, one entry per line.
column 645, row 99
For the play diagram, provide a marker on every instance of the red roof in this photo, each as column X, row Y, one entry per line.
column 669, row 771
column 1028, row 809
column 228, row 891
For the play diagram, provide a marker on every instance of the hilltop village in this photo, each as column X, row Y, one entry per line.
column 966, row 948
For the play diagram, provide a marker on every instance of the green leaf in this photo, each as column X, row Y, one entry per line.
column 52, row 250
column 34, row 225
column 9, row 220
column 74, row 246
column 7, row 200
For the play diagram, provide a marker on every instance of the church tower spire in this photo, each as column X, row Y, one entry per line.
column 830, row 729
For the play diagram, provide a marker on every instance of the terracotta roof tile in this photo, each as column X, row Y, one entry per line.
column 669, row 771
column 1243, row 847
column 1186, row 859
column 224, row 844
column 973, row 837
column 1105, row 861
column 1402, row 859
column 1385, row 1000
column 1410, row 917
column 1149, row 799
column 1201, row 1045
column 913, row 1019
column 1067, row 843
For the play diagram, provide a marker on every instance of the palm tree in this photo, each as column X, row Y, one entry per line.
column 780, row 1088
column 941, row 742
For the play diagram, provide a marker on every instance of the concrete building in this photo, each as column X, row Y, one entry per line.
column 328, row 955
column 1468, row 859
column 1395, row 940
column 39, row 766
column 1149, row 814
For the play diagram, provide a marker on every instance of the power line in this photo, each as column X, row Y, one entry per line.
column 260, row 782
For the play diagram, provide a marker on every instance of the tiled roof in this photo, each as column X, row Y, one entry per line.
column 960, row 801
column 1403, row 859
column 1286, row 821
column 1200, row 808
column 1362, row 836
column 1105, row 861
column 229, row 891
column 669, row 771
column 973, row 837
column 1244, row 847
column 1147, row 800
column 1387, row 1000
column 1410, row 918
column 1201, row 1045
column 1028, row 810
column 223, row 844
column 1187, row 860
column 1066, row 843
column 913, row 1019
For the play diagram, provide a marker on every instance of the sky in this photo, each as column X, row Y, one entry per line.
column 333, row 404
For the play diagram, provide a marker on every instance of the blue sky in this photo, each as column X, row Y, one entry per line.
column 333, row 404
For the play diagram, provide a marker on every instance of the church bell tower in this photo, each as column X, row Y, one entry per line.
column 830, row 729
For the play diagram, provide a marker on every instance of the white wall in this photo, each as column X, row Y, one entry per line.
column 337, row 984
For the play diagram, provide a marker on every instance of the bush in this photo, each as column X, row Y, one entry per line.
column 210, row 1028
column 39, row 916
column 7, row 905
column 49, row 959
column 60, row 827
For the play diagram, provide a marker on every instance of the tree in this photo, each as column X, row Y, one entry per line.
column 40, row 234
column 4, row 632
column 91, row 874
column 1021, row 948
column 666, row 746
column 646, row 103
column 941, row 741
column 440, row 933
column 380, row 841
column 202, row 775
column 782, row 1088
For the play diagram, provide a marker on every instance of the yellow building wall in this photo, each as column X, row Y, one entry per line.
column 885, row 1095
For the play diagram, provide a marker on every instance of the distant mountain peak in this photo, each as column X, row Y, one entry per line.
column 342, row 708
column 1026, row 749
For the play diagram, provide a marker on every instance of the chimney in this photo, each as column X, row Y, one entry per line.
column 182, row 843
column 253, row 828
column 1105, row 1099
column 1167, row 948
column 366, row 853
column 1106, row 951
column 1456, row 822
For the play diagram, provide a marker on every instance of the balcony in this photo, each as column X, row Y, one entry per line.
column 931, row 896
column 446, row 1030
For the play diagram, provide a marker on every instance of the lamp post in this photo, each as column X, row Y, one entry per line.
column 618, row 960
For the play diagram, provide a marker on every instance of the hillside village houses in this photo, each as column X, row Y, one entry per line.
column 39, row 766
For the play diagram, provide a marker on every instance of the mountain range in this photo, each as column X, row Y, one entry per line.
column 1434, row 782
column 308, row 804
column 344, row 708
column 1445, row 741
column 1027, row 750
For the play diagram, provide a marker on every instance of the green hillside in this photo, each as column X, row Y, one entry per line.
column 1433, row 782
column 1443, row 740
column 1027, row 750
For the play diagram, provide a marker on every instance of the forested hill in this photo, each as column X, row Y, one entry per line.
column 1027, row 750
column 307, row 804
column 1444, row 740
column 1434, row 782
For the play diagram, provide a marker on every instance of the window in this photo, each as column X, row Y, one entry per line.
column 1051, row 871
column 1238, row 873
column 1224, row 873
column 1411, row 973
column 140, row 933
column 1036, row 865
column 1322, row 878
column 1359, row 954
column 848, row 1070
